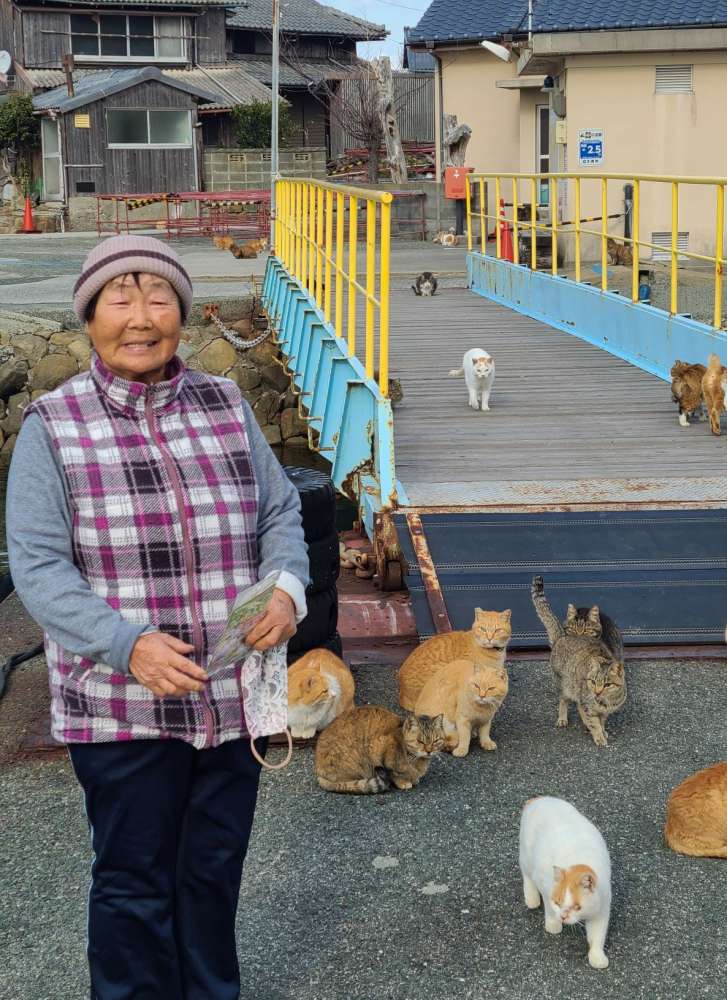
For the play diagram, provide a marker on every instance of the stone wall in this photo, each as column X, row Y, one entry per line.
column 36, row 356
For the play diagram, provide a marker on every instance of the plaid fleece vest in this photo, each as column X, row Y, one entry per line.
column 163, row 501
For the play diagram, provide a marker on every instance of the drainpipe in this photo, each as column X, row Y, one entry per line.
column 438, row 134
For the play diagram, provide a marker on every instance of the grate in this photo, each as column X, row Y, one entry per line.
column 663, row 239
column 674, row 80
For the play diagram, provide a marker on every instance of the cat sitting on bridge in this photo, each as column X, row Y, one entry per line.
column 686, row 389
column 478, row 368
column 425, row 284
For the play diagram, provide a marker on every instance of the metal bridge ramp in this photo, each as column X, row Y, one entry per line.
column 660, row 574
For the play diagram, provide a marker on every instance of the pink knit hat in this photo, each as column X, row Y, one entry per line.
column 124, row 255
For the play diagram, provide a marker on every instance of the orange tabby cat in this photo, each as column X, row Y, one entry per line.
column 696, row 814
column 467, row 695
column 370, row 749
column 320, row 688
column 483, row 645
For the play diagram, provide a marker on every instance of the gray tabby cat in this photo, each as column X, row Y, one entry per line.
column 588, row 666
column 425, row 284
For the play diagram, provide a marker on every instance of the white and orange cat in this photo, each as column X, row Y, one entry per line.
column 320, row 688
column 478, row 368
column 467, row 695
column 484, row 645
column 565, row 862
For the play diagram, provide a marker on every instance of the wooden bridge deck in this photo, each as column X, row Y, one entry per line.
column 569, row 422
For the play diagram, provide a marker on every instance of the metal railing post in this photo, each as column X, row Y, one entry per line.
column 352, row 251
column 319, row 248
column 370, row 285
column 340, row 250
column 533, row 222
column 328, row 254
column 635, row 234
column 498, row 223
column 304, row 236
column 515, row 236
column 468, row 200
column 578, row 228
column 385, row 265
column 719, row 249
column 483, row 215
column 604, row 234
column 674, row 297
column 553, row 226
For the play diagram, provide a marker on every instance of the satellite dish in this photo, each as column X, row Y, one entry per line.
column 5, row 61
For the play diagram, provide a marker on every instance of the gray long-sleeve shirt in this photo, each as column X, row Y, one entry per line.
column 40, row 546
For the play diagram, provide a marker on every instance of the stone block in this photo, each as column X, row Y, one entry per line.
column 30, row 346
column 271, row 433
column 266, row 407
column 217, row 357
column 80, row 348
column 52, row 370
column 14, row 417
column 64, row 338
column 263, row 354
column 275, row 376
column 13, row 374
column 246, row 376
column 291, row 425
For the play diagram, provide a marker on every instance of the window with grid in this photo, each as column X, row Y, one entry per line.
column 122, row 36
column 148, row 127
column 674, row 79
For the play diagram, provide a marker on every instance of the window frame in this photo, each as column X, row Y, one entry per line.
column 151, row 145
column 156, row 58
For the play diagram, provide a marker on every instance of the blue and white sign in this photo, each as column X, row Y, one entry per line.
column 590, row 147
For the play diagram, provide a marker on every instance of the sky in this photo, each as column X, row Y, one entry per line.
column 393, row 13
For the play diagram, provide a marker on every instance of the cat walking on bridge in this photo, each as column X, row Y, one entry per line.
column 478, row 368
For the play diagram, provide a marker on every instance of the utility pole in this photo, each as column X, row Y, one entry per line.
column 275, row 116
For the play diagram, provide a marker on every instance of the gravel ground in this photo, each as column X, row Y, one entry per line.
column 416, row 895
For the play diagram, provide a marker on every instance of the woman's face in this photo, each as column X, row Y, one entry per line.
column 136, row 328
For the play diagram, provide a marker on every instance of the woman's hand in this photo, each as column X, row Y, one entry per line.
column 277, row 624
column 157, row 662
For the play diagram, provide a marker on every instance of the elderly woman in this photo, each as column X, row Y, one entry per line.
column 142, row 498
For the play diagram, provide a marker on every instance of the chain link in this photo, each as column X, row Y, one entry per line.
column 242, row 345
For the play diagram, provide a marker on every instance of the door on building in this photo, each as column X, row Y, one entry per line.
column 542, row 148
column 52, row 179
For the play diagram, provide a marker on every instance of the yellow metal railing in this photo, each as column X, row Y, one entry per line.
column 310, row 240
column 568, row 189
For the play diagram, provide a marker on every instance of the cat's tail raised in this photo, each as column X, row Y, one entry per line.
column 544, row 611
column 456, row 371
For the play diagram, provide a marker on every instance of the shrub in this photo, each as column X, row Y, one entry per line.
column 253, row 124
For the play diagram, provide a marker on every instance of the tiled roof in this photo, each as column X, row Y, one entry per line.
column 470, row 20
column 303, row 17
column 230, row 84
column 416, row 62
column 297, row 73
column 156, row 4
column 568, row 15
column 94, row 86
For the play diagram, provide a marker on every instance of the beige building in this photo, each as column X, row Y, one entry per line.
column 636, row 100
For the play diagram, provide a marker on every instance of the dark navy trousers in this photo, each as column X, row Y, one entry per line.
column 170, row 827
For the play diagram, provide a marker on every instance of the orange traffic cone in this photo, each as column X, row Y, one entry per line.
column 506, row 248
column 28, row 223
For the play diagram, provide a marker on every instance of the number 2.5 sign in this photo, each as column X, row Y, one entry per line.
column 590, row 147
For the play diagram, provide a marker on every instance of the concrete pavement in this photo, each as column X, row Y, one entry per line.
column 416, row 895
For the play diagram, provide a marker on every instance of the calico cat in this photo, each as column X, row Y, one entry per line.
column 565, row 862
column 696, row 814
column 467, row 695
column 425, row 284
column 370, row 749
column 478, row 369
column 589, row 669
column 619, row 253
column 714, row 387
column 447, row 239
column 686, row 389
column 320, row 687
column 484, row 645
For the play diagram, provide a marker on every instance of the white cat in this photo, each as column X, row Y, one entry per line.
column 478, row 369
column 564, row 860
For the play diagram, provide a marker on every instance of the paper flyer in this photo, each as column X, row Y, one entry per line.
column 250, row 605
